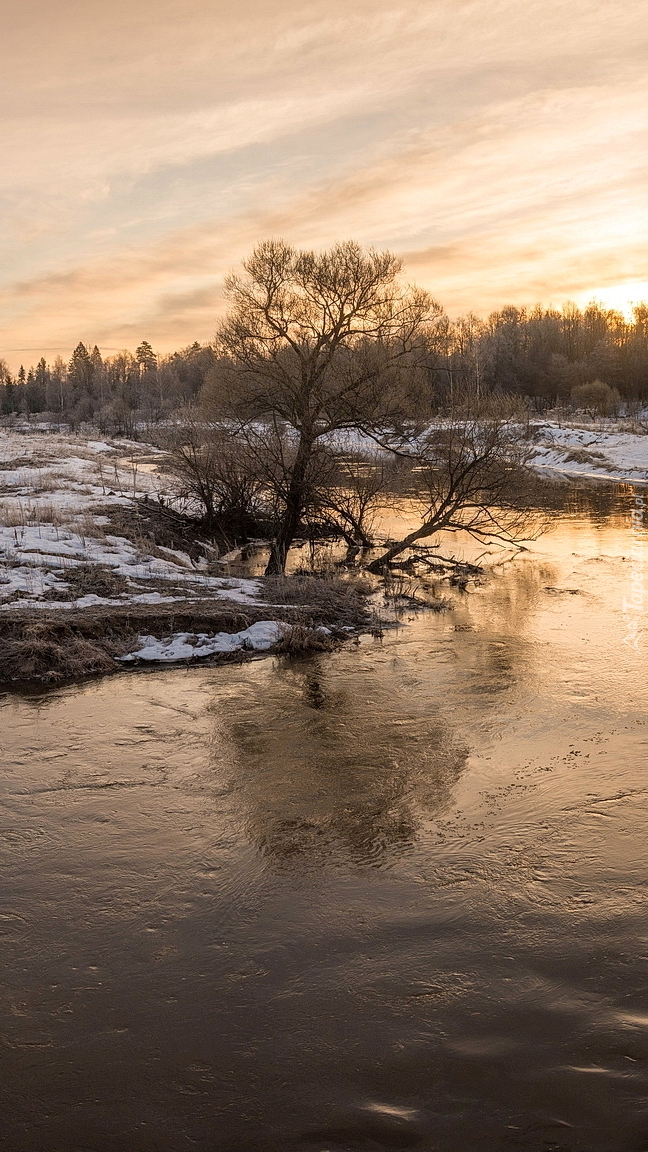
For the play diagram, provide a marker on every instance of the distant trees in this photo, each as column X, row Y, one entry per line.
column 544, row 353
column 116, row 393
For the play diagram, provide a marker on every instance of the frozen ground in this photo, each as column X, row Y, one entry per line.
column 55, row 493
column 603, row 449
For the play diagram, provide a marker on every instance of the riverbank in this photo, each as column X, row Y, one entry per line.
column 100, row 570
column 45, row 645
column 604, row 449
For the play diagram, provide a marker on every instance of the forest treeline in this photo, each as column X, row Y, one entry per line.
column 550, row 357
column 116, row 393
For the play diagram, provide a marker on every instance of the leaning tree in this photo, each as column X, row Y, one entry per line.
column 470, row 476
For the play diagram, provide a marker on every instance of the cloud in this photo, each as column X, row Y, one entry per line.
column 499, row 147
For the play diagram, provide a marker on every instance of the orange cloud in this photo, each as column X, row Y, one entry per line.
column 500, row 148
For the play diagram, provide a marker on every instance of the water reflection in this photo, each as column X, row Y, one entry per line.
column 601, row 507
column 327, row 770
column 502, row 654
column 276, row 906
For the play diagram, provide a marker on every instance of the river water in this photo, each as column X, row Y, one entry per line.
column 390, row 897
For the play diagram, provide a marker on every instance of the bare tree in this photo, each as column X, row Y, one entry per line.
column 351, row 500
column 314, row 344
column 470, row 477
column 215, row 472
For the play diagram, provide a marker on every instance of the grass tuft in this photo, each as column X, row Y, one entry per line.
column 90, row 579
column 332, row 599
column 301, row 640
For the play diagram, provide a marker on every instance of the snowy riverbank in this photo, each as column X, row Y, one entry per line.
column 68, row 536
column 606, row 450
column 97, row 570
column 100, row 572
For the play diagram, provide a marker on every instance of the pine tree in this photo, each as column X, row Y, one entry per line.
column 98, row 374
column 80, row 372
column 34, row 392
column 146, row 357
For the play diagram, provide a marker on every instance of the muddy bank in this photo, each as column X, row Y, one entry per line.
column 49, row 645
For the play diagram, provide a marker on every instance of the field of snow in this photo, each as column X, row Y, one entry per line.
column 55, row 491
column 605, row 450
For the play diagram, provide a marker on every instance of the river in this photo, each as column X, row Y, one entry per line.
column 389, row 897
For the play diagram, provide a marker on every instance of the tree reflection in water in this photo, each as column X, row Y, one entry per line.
column 327, row 764
column 345, row 756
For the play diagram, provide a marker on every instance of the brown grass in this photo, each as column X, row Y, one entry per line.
column 18, row 513
column 52, row 656
column 331, row 599
column 87, row 579
column 51, row 646
column 44, row 645
column 588, row 456
column 147, row 524
column 302, row 641
column 86, row 525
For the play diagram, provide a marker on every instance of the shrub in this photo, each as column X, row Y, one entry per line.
column 597, row 398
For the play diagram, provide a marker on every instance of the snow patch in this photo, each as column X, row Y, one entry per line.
column 52, row 503
column 190, row 645
column 99, row 446
column 606, row 453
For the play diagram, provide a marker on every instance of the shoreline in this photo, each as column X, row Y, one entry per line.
column 41, row 646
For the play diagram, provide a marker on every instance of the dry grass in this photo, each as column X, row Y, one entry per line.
column 13, row 515
column 636, row 427
column 331, row 599
column 302, row 641
column 21, row 462
column 147, row 525
column 66, row 474
column 51, row 646
column 402, row 589
column 588, row 456
column 20, row 513
column 49, row 656
column 37, row 644
column 87, row 525
column 89, row 579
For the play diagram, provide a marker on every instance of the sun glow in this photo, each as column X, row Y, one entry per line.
column 498, row 147
column 622, row 297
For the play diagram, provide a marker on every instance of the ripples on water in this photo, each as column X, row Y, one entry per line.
column 391, row 897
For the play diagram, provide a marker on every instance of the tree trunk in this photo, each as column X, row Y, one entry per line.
column 289, row 524
column 381, row 562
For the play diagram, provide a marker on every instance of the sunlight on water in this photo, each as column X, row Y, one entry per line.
column 389, row 897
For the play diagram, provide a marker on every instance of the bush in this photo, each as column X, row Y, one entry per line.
column 215, row 472
column 597, row 398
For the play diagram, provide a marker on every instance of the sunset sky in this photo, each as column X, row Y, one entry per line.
column 501, row 148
